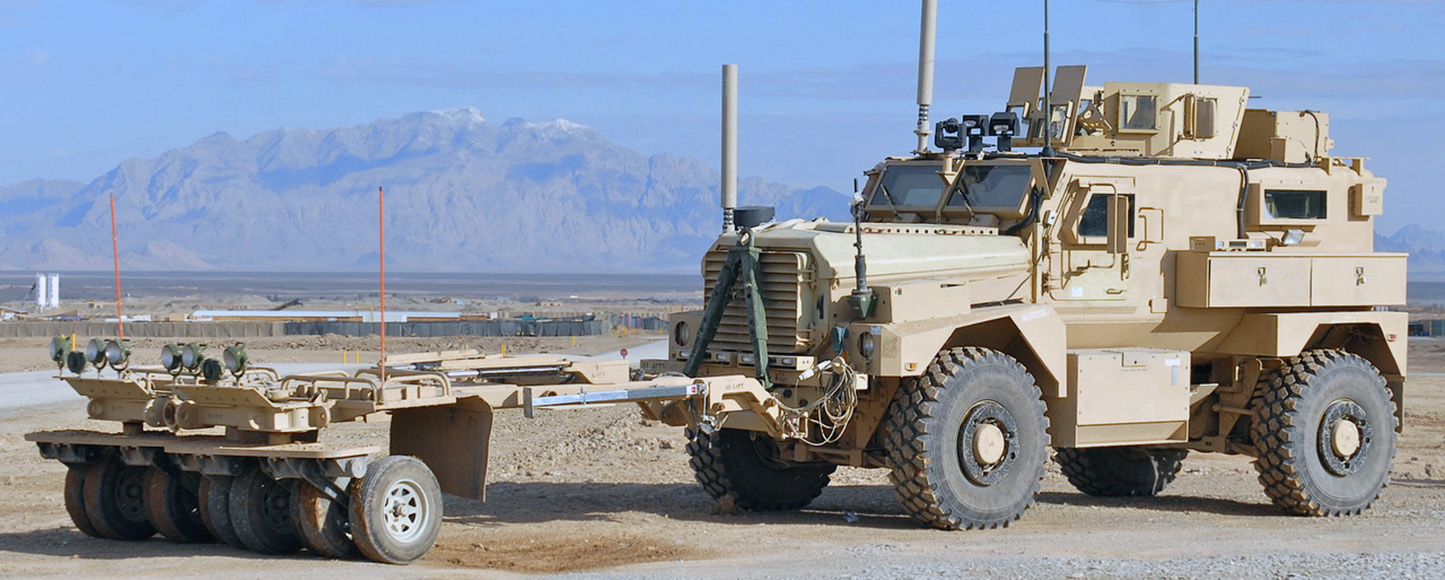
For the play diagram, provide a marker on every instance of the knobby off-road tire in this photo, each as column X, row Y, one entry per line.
column 968, row 440
column 1120, row 471
column 396, row 510
column 75, row 500
column 215, row 501
column 1325, row 435
column 114, row 499
column 260, row 511
column 745, row 465
column 323, row 524
column 174, row 509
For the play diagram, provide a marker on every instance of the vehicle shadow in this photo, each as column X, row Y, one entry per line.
column 1166, row 503
column 69, row 542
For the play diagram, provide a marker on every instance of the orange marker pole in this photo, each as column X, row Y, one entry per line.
column 381, row 228
column 115, row 249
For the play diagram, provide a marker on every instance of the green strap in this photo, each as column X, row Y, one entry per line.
column 743, row 259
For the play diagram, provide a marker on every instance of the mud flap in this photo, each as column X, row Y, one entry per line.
column 451, row 440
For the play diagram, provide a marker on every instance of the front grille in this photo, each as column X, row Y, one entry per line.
column 785, row 276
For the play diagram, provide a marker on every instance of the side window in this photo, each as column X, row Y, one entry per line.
column 1294, row 204
column 1136, row 112
column 1095, row 221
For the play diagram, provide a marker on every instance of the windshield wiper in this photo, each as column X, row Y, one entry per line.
column 888, row 197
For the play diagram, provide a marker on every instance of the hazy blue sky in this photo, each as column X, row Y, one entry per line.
column 827, row 87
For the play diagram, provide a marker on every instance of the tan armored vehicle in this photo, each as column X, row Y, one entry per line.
column 1169, row 271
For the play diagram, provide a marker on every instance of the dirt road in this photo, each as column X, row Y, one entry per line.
column 601, row 493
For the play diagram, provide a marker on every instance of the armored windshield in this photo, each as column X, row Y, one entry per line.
column 909, row 186
column 991, row 187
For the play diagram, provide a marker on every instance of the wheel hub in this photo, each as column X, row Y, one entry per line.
column 404, row 510
column 987, row 443
column 1344, row 437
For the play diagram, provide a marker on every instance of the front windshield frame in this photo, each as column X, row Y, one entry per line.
column 901, row 188
column 983, row 181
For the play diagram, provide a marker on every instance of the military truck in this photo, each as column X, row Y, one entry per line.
column 1168, row 270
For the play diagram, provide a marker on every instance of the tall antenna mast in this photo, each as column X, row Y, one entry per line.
column 1196, row 42
column 1048, row 106
column 925, row 72
column 729, row 187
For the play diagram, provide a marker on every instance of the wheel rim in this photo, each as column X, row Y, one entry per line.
column 987, row 443
column 1344, row 438
column 130, row 494
column 405, row 510
column 276, row 506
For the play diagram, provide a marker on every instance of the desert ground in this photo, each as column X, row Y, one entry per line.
column 602, row 493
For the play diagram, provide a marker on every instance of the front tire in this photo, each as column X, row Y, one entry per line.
column 968, row 440
column 1120, row 471
column 746, row 466
column 396, row 510
column 1325, row 435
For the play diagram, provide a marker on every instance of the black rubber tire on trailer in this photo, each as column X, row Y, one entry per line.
column 396, row 510
column 1120, row 471
column 174, row 509
column 1319, row 404
column 215, row 501
column 967, row 441
column 746, row 466
column 114, row 500
column 75, row 500
column 260, row 511
column 323, row 524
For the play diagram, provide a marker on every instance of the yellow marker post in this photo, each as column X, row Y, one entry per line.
column 504, row 349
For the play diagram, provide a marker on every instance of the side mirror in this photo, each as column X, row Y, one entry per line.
column 1119, row 216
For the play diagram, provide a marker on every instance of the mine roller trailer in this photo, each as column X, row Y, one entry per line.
column 242, row 459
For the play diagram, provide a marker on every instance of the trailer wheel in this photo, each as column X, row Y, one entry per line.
column 1325, row 435
column 260, row 510
column 396, row 510
column 173, row 509
column 968, row 440
column 323, row 524
column 746, row 466
column 114, row 500
column 215, row 501
column 75, row 500
column 1120, row 471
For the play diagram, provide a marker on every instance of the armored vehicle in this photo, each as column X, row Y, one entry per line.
column 1168, row 270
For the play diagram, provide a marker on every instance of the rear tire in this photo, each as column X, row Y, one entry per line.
column 968, row 440
column 75, row 500
column 396, row 510
column 260, row 510
column 323, row 524
column 1325, row 435
column 1120, row 471
column 746, row 466
column 173, row 509
column 114, row 500
column 215, row 501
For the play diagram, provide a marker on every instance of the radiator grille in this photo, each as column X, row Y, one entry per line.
column 785, row 275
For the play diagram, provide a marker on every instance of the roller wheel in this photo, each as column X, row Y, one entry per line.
column 174, row 509
column 215, row 501
column 1325, row 435
column 967, row 441
column 323, row 524
column 746, row 466
column 396, row 510
column 114, row 499
column 260, row 510
column 75, row 500
column 1120, row 471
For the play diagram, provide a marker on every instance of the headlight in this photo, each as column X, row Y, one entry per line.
column 59, row 348
column 75, row 361
column 171, row 357
column 681, row 333
column 95, row 352
column 867, row 344
column 192, row 355
column 117, row 353
column 211, row 370
column 235, row 359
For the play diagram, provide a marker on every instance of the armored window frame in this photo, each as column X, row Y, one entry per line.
column 1295, row 204
column 1093, row 224
column 1138, row 113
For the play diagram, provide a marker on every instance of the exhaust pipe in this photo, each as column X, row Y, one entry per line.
column 925, row 72
column 729, row 187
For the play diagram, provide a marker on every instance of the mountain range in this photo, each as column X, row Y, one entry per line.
column 462, row 194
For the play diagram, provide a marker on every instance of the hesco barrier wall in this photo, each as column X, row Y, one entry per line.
column 143, row 329
column 253, row 329
column 457, row 328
